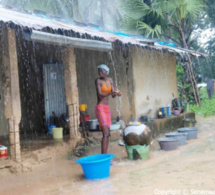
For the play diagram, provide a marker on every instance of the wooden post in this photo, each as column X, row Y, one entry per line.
column 71, row 90
column 12, row 91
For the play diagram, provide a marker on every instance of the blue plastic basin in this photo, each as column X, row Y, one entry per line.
column 96, row 166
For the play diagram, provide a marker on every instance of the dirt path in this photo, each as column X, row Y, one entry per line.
column 189, row 168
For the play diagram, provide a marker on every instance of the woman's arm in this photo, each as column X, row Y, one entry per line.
column 114, row 93
column 112, row 88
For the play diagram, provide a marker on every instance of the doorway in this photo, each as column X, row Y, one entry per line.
column 54, row 93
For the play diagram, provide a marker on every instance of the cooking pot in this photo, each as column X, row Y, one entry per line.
column 93, row 124
column 176, row 112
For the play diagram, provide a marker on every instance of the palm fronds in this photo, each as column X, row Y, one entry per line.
column 149, row 31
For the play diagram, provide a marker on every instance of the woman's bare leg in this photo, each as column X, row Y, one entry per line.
column 105, row 139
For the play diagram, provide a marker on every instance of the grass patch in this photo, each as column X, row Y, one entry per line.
column 207, row 105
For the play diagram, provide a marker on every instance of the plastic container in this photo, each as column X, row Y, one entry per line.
column 96, row 166
column 189, row 122
column 176, row 111
column 171, row 44
column 168, row 144
column 82, row 107
column 3, row 151
column 166, row 111
column 191, row 132
column 144, row 119
column 50, row 128
column 181, row 136
column 115, row 125
column 165, row 43
column 86, row 117
column 137, row 152
column 162, row 109
column 57, row 133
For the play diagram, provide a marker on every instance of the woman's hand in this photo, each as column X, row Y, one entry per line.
column 113, row 94
column 116, row 93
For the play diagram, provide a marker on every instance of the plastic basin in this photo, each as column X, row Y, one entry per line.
column 96, row 166
column 181, row 136
column 168, row 143
column 115, row 125
column 191, row 132
column 136, row 152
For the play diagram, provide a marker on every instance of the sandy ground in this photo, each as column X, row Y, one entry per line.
column 183, row 171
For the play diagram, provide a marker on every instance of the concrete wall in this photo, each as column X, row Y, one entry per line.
column 4, row 130
column 86, row 64
column 146, row 78
column 155, row 80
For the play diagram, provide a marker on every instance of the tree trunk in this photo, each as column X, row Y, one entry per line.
column 191, row 72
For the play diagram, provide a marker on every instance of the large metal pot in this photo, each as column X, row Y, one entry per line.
column 93, row 124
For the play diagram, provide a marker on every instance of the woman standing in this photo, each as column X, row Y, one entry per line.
column 104, row 88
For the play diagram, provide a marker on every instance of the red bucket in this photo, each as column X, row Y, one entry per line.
column 3, row 151
column 86, row 117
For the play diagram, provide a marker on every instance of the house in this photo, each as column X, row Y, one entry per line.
column 48, row 66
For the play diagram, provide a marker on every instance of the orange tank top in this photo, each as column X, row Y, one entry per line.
column 104, row 88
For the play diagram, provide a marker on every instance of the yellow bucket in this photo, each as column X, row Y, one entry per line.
column 82, row 107
column 57, row 133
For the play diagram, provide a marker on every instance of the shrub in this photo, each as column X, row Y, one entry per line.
column 207, row 107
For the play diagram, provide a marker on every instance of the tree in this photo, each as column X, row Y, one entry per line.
column 142, row 18
column 169, row 19
column 208, row 25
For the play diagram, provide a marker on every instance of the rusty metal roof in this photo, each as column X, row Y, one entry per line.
column 40, row 22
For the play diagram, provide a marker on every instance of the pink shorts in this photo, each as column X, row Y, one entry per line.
column 103, row 115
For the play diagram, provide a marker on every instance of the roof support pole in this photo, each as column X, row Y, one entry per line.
column 71, row 90
column 12, row 91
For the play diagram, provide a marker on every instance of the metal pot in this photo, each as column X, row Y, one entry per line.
column 93, row 124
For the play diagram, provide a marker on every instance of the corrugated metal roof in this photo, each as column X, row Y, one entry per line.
column 36, row 22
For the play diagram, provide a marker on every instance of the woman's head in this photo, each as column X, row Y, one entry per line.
column 103, row 70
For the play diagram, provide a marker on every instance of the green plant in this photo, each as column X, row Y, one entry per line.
column 184, row 85
column 208, row 106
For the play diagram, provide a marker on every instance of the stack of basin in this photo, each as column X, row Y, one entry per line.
column 191, row 132
column 175, row 139
column 181, row 136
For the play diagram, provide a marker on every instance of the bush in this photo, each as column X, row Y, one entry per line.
column 207, row 105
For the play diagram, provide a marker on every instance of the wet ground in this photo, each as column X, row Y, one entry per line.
column 183, row 171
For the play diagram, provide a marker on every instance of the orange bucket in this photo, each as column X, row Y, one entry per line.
column 82, row 107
